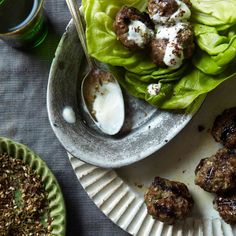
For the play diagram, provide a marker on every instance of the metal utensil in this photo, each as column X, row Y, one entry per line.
column 101, row 93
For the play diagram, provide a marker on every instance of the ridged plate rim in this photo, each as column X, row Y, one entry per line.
column 124, row 207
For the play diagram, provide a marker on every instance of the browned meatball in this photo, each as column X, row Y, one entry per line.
column 184, row 43
column 217, row 173
column 158, row 48
column 188, row 3
column 163, row 7
column 226, row 206
column 124, row 19
column 185, row 38
column 167, row 200
column 224, row 128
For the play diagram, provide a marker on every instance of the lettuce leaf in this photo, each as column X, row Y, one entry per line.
column 175, row 94
column 214, row 24
column 217, row 50
column 216, row 13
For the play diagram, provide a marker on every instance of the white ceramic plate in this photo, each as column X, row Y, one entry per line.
column 143, row 121
column 119, row 192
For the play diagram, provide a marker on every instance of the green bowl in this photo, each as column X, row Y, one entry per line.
column 55, row 197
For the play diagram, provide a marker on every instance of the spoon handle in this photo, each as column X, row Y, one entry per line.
column 75, row 13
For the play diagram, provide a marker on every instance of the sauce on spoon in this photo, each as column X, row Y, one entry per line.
column 106, row 101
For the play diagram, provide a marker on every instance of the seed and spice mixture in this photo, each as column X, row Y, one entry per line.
column 24, row 207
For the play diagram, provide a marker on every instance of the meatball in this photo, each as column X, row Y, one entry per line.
column 226, row 206
column 133, row 28
column 168, row 11
column 158, row 48
column 169, row 51
column 167, row 200
column 224, row 128
column 217, row 173
column 162, row 7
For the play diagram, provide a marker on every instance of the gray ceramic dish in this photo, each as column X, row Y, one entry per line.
column 146, row 128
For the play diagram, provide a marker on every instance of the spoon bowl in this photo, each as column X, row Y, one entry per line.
column 103, row 100
column 101, row 94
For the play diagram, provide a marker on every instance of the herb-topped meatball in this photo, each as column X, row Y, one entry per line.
column 167, row 200
column 226, row 206
column 224, row 128
column 169, row 11
column 172, row 44
column 161, row 8
column 173, row 41
column 217, row 173
column 133, row 28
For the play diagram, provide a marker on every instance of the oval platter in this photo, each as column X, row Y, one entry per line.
column 146, row 129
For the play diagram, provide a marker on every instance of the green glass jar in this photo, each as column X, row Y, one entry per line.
column 22, row 22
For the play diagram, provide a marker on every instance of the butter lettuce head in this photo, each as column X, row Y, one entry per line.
column 214, row 60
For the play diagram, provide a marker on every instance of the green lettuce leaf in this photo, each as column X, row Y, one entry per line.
column 217, row 50
column 176, row 94
column 217, row 13
column 214, row 24
column 194, row 84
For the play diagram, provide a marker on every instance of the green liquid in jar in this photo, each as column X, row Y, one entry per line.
column 22, row 18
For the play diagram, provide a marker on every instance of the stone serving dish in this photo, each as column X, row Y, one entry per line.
column 146, row 128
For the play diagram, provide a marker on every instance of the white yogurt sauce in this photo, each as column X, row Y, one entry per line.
column 69, row 115
column 154, row 89
column 108, row 107
column 174, row 51
column 183, row 13
column 139, row 33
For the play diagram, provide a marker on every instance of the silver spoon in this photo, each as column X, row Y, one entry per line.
column 101, row 93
